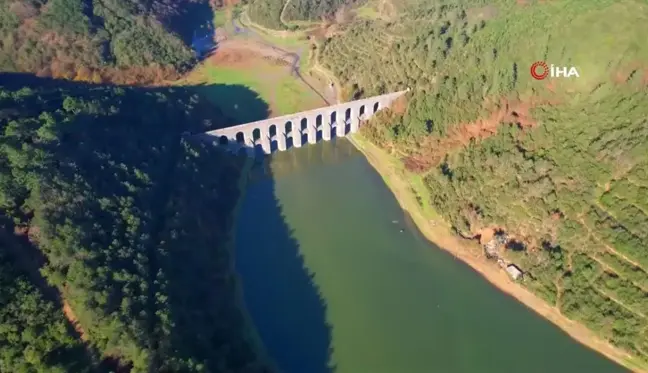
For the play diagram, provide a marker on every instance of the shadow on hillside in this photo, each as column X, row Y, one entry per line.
column 145, row 213
column 220, row 105
column 23, row 259
column 194, row 24
column 279, row 291
column 235, row 104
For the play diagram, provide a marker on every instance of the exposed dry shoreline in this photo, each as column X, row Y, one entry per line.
column 438, row 232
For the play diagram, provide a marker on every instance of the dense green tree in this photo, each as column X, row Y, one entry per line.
column 34, row 335
column 308, row 10
column 65, row 38
column 133, row 218
column 267, row 13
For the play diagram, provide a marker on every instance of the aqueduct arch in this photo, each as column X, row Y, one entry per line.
column 301, row 127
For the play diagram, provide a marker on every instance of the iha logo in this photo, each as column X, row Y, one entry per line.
column 540, row 70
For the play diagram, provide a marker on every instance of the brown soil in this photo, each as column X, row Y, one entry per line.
column 399, row 106
column 433, row 149
column 30, row 260
column 485, row 235
column 245, row 55
column 110, row 361
column 69, row 314
column 233, row 57
column 319, row 33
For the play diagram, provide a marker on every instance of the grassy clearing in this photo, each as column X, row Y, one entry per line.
column 276, row 90
column 220, row 18
column 369, row 11
column 283, row 93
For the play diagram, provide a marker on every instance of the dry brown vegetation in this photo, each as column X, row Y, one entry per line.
column 74, row 40
column 69, row 314
column 431, row 150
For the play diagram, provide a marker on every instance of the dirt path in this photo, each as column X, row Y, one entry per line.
column 618, row 302
column 283, row 10
column 438, row 232
column 265, row 47
column 609, row 269
column 622, row 256
column 69, row 314
column 334, row 90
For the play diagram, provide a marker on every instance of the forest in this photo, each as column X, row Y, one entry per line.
column 273, row 13
column 102, row 182
column 307, row 10
column 101, row 195
column 34, row 336
column 121, row 41
column 267, row 13
column 560, row 165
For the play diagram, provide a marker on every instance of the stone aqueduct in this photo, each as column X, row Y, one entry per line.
column 304, row 127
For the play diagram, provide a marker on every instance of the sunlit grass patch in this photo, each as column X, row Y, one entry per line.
column 368, row 11
column 283, row 93
column 220, row 18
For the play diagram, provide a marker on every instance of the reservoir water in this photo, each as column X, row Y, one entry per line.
column 336, row 278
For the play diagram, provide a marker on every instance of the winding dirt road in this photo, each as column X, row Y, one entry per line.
column 266, row 48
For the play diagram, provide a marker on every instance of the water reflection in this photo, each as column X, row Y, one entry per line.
column 296, row 160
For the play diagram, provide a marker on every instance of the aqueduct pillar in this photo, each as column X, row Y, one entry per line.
column 336, row 116
column 311, row 122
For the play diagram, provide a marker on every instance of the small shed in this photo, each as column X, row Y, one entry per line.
column 514, row 271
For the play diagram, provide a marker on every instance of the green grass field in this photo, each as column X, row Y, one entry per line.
column 282, row 93
column 220, row 18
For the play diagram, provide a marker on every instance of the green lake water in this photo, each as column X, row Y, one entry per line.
column 333, row 285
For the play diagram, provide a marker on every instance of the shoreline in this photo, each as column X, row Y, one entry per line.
column 435, row 230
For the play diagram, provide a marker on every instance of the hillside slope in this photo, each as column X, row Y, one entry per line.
column 99, row 40
column 34, row 335
column 560, row 165
column 271, row 13
column 133, row 220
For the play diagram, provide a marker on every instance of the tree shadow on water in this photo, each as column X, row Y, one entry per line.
column 280, row 293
